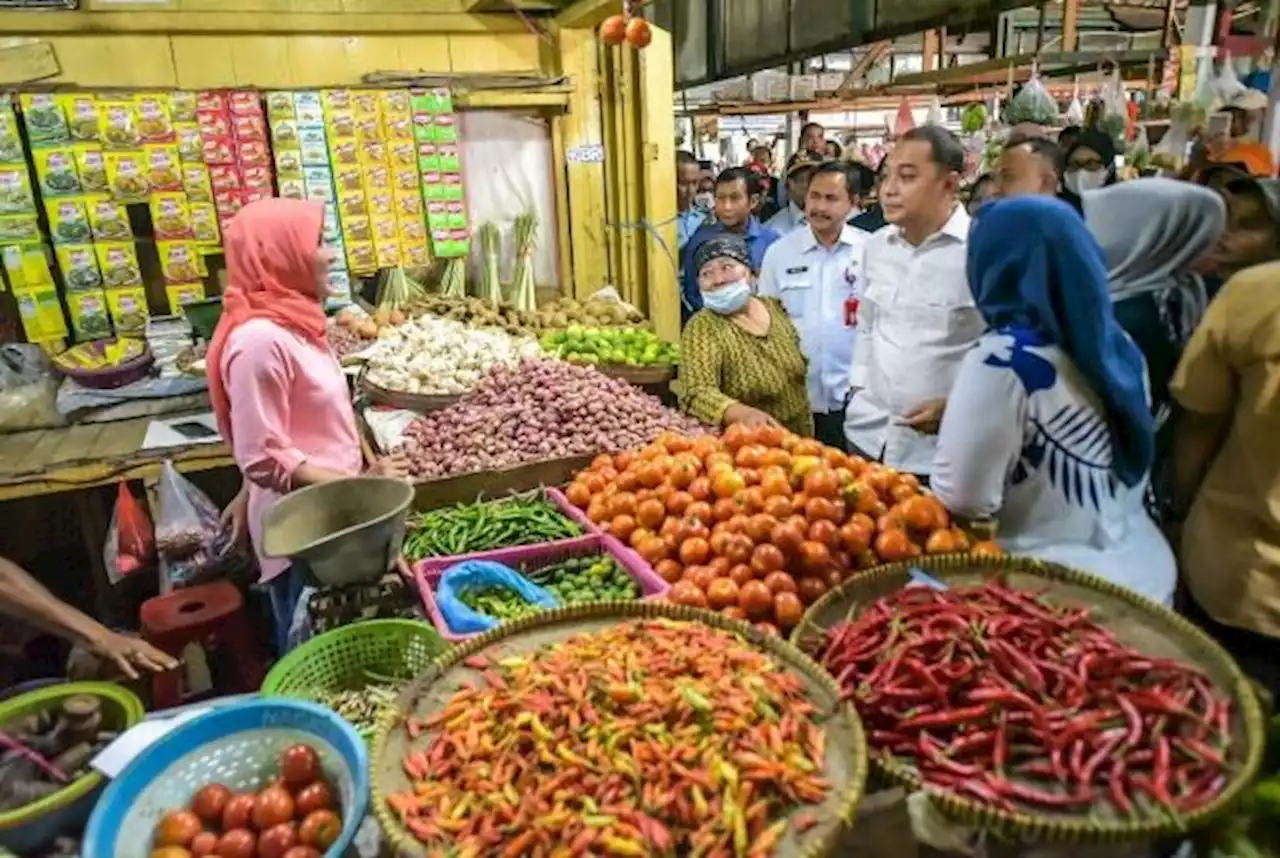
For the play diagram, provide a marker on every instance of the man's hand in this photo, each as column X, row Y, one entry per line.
column 235, row 518
column 747, row 416
column 130, row 653
column 926, row 417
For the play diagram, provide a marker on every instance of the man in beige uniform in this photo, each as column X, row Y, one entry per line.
column 1227, row 460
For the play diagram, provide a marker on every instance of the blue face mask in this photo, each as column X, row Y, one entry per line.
column 727, row 299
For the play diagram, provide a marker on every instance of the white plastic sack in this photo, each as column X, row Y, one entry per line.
column 1224, row 86
column 1075, row 112
column 935, row 116
column 1032, row 104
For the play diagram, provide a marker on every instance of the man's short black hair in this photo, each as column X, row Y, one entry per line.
column 748, row 177
column 852, row 177
column 867, row 179
column 945, row 149
column 684, row 156
column 1043, row 148
column 804, row 129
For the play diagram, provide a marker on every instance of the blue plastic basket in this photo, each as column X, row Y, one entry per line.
column 238, row 746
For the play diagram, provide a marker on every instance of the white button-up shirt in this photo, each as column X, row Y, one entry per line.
column 916, row 321
column 819, row 286
column 788, row 220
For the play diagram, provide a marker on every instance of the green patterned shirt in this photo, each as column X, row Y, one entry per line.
column 721, row 364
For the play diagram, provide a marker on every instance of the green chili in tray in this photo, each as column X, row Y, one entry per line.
column 527, row 519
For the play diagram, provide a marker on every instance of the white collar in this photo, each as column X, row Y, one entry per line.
column 956, row 227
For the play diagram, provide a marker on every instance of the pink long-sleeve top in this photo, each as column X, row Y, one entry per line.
column 289, row 405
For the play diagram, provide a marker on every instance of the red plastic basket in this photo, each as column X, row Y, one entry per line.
column 426, row 573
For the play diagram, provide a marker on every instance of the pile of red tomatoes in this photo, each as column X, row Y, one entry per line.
column 759, row 523
column 296, row 816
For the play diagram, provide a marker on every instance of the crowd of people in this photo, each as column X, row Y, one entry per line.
column 1092, row 364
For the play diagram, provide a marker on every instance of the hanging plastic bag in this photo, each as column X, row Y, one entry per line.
column 187, row 530
column 1032, row 104
column 1115, row 108
column 482, row 573
column 1075, row 110
column 131, row 543
column 1138, row 158
column 935, row 116
column 1224, row 86
column 1173, row 149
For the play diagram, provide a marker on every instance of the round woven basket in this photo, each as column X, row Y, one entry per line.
column 339, row 660
column 638, row 375
column 422, row 403
column 846, row 758
column 1135, row 620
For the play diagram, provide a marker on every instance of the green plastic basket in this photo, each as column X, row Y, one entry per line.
column 121, row 709
column 338, row 660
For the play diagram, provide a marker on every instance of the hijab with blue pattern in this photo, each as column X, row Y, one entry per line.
column 1036, row 272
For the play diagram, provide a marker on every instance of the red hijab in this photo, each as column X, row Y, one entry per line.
column 271, row 249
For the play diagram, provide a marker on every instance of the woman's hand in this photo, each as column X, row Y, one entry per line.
column 394, row 465
column 235, row 518
column 129, row 653
column 747, row 416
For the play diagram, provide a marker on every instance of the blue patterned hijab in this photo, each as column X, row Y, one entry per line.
column 1036, row 272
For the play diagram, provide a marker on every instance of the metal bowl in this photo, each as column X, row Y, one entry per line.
column 346, row 531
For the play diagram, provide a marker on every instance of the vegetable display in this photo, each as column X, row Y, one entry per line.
column 1000, row 695
column 500, row 603
column 485, row 526
column 610, row 346
column 649, row 737
column 437, row 356
column 534, row 411
column 45, row 751
column 555, row 315
column 760, row 523
column 361, row 707
column 295, row 816
column 585, row 579
column 1253, row 829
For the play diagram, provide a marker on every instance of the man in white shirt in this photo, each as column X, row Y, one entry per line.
column 791, row 218
column 814, row 271
column 916, row 315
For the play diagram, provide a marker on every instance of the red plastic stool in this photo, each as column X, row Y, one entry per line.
column 194, row 615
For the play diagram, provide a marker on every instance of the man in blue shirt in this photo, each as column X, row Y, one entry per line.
column 690, row 217
column 737, row 192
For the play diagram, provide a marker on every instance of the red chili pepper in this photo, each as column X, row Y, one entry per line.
column 946, row 718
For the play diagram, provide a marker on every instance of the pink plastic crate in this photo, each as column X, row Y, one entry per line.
column 426, row 573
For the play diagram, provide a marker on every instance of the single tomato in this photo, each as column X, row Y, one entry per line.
column 652, row 549
column 741, row 574
column 313, row 797
column 767, row 558
column 942, row 542
column 739, row 548
column 787, row 537
column 856, row 535
column 815, row 556
column 787, row 609
column 278, row 839
column 918, row 512
column 826, row 532
column 720, row 565
column 205, row 843
column 650, row 513
column 777, row 506
column 273, row 806
column 893, row 545
column 733, row 612
column 177, row 828
column 210, row 802
column 988, row 548
column 669, row 570
column 621, row 527
column 724, row 509
column 759, row 527
column 687, row 593
column 810, row 589
column 780, row 582
column 237, row 814
column 699, row 511
column 679, row 502
column 578, row 494
column 300, row 765
column 753, row 499
column 821, row 483
column 823, row 509
column 695, row 551
column 700, row 576
column 237, row 843
column 768, row 628
column 755, row 599
column 727, row 483
column 320, row 829
column 722, row 593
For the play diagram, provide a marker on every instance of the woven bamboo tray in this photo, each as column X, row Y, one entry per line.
column 639, row 375
column 422, row 403
column 846, row 762
column 1135, row 620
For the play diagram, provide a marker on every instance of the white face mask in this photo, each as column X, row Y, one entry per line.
column 705, row 201
column 1080, row 181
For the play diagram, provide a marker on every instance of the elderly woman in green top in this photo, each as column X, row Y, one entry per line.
column 740, row 355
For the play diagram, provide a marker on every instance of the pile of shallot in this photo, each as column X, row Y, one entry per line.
column 533, row 411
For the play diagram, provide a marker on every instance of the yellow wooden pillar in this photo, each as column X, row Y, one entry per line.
column 582, row 139
column 656, row 106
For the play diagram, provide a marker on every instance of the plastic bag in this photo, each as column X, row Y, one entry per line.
column 1075, row 110
column 1032, row 104
column 1115, row 108
column 482, row 573
column 1224, row 86
column 28, row 389
column 1172, row 150
column 935, row 116
column 187, row 530
column 131, row 543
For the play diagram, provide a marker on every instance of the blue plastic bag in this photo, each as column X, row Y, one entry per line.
column 482, row 573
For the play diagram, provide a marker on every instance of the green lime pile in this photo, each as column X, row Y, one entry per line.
column 597, row 578
column 630, row 346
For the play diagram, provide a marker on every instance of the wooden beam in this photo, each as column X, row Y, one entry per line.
column 960, row 74
column 588, row 13
column 514, row 99
column 1070, row 12
column 929, row 51
column 474, row 6
column 28, row 22
column 27, row 60
column 874, row 54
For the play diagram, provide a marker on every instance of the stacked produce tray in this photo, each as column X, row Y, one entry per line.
column 427, row 573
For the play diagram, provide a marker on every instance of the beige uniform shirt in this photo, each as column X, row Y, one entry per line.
column 1231, row 539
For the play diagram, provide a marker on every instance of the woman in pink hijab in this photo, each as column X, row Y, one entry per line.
column 278, row 392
